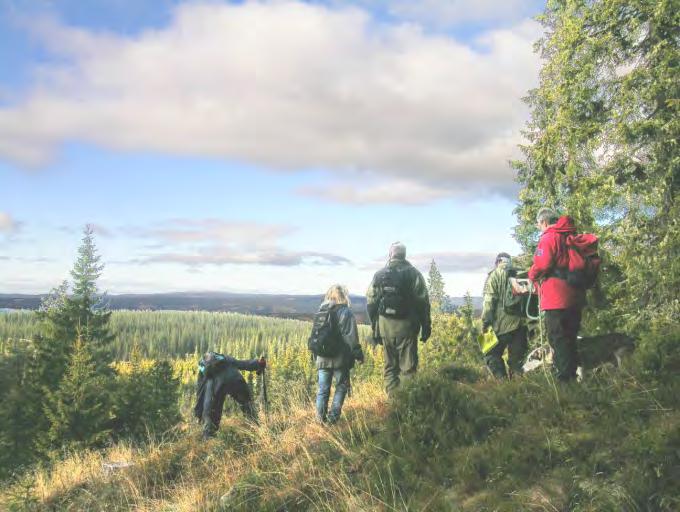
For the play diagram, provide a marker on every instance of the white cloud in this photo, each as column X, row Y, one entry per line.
column 455, row 261
column 287, row 85
column 448, row 261
column 225, row 256
column 217, row 231
column 399, row 191
column 197, row 242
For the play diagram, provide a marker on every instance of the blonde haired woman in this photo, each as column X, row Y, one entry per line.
column 336, row 306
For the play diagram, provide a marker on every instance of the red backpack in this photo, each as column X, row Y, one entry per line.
column 584, row 262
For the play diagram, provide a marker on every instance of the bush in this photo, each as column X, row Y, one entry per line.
column 146, row 400
column 658, row 354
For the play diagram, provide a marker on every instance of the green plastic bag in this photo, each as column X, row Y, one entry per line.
column 487, row 341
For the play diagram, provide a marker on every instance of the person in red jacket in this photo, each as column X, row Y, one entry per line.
column 560, row 302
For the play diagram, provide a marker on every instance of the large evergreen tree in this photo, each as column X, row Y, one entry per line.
column 603, row 144
column 90, row 316
column 75, row 311
column 435, row 286
column 67, row 314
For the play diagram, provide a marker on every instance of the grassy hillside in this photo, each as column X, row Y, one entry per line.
column 453, row 440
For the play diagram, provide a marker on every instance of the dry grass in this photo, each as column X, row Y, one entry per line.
column 288, row 461
column 454, row 441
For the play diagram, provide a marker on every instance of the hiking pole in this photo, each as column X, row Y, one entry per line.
column 265, row 399
column 263, row 392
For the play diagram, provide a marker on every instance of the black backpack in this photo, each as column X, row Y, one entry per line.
column 395, row 294
column 325, row 340
column 512, row 304
column 211, row 363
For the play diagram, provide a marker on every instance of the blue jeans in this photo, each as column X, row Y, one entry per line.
column 326, row 375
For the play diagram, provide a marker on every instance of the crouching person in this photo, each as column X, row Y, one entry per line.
column 334, row 343
column 219, row 376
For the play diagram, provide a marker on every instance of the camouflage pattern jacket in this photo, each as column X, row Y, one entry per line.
column 495, row 289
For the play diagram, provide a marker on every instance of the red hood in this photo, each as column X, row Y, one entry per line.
column 564, row 224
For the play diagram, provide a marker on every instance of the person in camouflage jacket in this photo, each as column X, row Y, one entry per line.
column 508, row 328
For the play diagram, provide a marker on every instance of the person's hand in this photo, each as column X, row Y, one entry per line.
column 262, row 364
column 425, row 333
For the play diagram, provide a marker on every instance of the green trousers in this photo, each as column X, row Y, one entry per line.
column 516, row 343
column 401, row 360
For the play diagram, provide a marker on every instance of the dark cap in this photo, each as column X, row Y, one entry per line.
column 502, row 256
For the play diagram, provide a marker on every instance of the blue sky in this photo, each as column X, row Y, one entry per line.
column 273, row 146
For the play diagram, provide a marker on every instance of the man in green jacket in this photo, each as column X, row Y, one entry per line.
column 509, row 328
column 399, row 308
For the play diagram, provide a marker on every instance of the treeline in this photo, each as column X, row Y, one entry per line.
column 301, row 307
column 158, row 334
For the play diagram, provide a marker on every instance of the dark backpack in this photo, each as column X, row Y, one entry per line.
column 513, row 304
column 395, row 294
column 325, row 340
column 211, row 363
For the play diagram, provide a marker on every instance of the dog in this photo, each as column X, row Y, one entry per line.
column 594, row 352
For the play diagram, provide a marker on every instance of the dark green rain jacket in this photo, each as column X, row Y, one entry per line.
column 496, row 287
column 419, row 316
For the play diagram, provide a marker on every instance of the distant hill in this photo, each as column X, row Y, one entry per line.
column 287, row 306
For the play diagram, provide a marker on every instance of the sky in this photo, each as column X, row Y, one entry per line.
column 260, row 146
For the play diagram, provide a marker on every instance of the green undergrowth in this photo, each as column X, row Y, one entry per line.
column 611, row 442
column 450, row 440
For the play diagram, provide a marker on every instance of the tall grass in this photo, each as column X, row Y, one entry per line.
column 452, row 439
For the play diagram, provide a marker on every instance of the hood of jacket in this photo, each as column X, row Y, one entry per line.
column 564, row 225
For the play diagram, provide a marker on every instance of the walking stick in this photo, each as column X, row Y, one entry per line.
column 263, row 391
column 265, row 399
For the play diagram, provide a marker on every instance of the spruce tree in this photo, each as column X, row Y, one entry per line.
column 80, row 313
column 65, row 317
column 146, row 399
column 79, row 410
column 435, row 286
column 130, row 399
column 89, row 313
column 467, row 314
column 163, row 410
column 602, row 145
